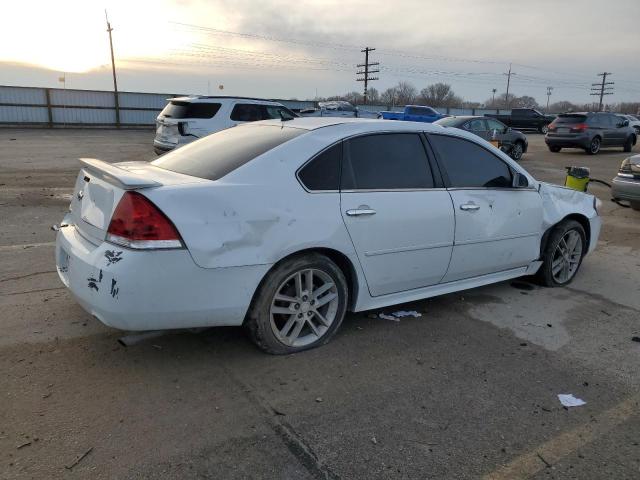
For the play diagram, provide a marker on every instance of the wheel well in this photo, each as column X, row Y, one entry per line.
column 339, row 258
column 581, row 219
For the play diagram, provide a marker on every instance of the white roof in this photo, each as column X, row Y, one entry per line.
column 354, row 124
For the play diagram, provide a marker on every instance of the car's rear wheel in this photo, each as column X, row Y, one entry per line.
column 628, row 145
column 594, row 146
column 543, row 129
column 554, row 149
column 516, row 151
column 563, row 254
column 299, row 305
column 635, row 205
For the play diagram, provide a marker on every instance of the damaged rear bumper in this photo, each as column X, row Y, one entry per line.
column 152, row 290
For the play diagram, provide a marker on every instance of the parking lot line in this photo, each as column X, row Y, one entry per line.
column 551, row 452
column 22, row 246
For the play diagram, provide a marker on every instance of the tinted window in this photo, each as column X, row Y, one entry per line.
column 215, row 155
column 323, row 172
column 468, row 164
column 388, row 161
column 179, row 109
column 419, row 111
column 571, row 119
column 247, row 112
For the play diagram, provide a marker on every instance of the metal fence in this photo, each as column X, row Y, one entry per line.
column 58, row 107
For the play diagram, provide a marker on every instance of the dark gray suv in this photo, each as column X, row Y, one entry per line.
column 590, row 131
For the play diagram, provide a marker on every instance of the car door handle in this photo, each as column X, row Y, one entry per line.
column 469, row 207
column 360, row 211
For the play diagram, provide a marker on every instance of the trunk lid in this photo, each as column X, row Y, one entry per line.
column 100, row 186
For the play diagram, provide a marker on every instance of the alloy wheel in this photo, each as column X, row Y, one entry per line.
column 516, row 151
column 566, row 257
column 544, row 129
column 594, row 147
column 304, row 307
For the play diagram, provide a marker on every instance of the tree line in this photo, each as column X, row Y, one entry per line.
column 441, row 95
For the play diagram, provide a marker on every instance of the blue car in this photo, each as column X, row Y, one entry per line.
column 414, row 113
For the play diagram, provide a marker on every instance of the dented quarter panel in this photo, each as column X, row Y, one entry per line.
column 559, row 202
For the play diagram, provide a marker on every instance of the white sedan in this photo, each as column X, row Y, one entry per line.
column 283, row 226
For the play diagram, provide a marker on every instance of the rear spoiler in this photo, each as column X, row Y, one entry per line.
column 120, row 177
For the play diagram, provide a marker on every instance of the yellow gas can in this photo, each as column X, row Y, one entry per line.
column 577, row 178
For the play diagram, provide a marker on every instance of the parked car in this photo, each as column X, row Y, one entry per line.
column 626, row 184
column 525, row 119
column 512, row 142
column 185, row 119
column 284, row 226
column 414, row 113
column 590, row 131
column 634, row 122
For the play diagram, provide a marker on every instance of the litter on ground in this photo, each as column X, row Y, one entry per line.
column 568, row 400
column 396, row 316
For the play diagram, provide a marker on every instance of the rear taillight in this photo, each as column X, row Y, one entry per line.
column 580, row 127
column 552, row 127
column 138, row 223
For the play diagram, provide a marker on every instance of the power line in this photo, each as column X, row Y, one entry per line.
column 602, row 89
column 367, row 70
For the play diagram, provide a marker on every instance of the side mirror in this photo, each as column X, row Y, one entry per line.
column 507, row 129
column 519, row 180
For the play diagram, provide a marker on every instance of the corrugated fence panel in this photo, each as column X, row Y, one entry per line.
column 82, row 98
column 296, row 104
column 138, row 117
column 23, row 114
column 143, row 100
column 34, row 96
column 485, row 111
column 83, row 115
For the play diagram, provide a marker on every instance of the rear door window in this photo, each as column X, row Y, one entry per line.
column 215, row 155
column 386, row 162
column 271, row 112
column 469, row 165
column 180, row 109
column 570, row 119
column 247, row 112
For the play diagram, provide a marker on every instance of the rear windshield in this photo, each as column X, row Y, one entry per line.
column 571, row 119
column 215, row 155
column 449, row 122
column 180, row 109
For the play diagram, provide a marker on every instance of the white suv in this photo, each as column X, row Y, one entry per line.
column 185, row 119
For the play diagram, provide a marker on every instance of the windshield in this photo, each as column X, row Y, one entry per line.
column 215, row 155
column 182, row 109
column 571, row 119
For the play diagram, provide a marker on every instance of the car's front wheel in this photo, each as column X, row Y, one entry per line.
column 563, row 254
column 554, row 149
column 628, row 145
column 299, row 305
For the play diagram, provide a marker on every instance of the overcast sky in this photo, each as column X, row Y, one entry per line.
column 286, row 49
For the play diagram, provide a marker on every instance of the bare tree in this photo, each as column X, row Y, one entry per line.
column 389, row 96
column 439, row 95
column 406, row 93
column 373, row 96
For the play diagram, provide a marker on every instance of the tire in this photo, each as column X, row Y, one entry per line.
column 516, row 151
column 637, row 129
column 552, row 256
column 635, row 205
column 307, row 326
column 594, row 146
column 628, row 145
column 543, row 129
column 554, row 149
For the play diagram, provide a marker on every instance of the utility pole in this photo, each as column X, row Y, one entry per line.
column 549, row 90
column 367, row 70
column 506, row 95
column 113, row 69
column 493, row 98
column 602, row 88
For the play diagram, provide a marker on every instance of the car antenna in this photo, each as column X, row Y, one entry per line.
column 283, row 118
